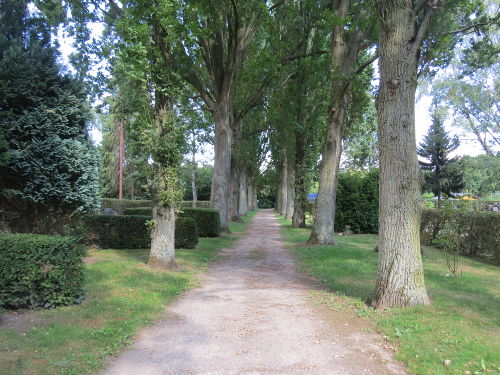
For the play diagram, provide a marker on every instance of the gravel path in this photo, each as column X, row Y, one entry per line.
column 254, row 316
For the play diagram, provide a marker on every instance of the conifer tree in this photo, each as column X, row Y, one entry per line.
column 52, row 164
column 442, row 172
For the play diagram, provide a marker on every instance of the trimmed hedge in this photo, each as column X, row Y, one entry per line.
column 357, row 201
column 186, row 233
column 199, row 204
column 470, row 232
column 40, row 271
column 120, row 205
column 118, row 232
column 131, row 232
column 144, row 211
column 207, row 220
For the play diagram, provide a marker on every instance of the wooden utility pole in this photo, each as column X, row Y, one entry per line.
column 121, row 158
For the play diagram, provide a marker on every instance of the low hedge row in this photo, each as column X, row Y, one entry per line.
column 207, row 220
column 40, row 271
column 131, row 231
column 199, row 204
column 117, row 232
column 470, row 232
column 119, row 205
column 186, row 233
column 146, row 211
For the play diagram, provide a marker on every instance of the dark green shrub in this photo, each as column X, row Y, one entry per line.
column 131, row 232
column 357, row 201
column 40, row 271
column 118, row 232
column 265, row 202
column 119, row 206
column 144, row 211
column 472, row 233
column 207, row 220
column 186, row 233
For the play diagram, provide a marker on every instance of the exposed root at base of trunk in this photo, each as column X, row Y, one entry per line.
column 161, row 264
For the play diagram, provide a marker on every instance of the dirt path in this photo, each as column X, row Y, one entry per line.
column 254, row 316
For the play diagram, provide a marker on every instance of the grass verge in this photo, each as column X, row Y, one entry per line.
column 462, row 325
column 122, row 295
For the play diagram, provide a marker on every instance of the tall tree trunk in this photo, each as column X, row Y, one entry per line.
column 243, row 191
column 284, row 187
column 234, row 192
column 345, row 48
column 300, row 193
column 219, row 197
column 250, row 188
column 400, row 279
column 290, row 192
column 121, row 158
column 193, row 172
column 254, row 198
column 162, row 255
column 279, row 197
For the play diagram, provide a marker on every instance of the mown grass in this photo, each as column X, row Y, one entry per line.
column 122, row 295
column 461, row 325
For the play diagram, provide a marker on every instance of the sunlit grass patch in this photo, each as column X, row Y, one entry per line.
column 461, row 325
column 121, row 295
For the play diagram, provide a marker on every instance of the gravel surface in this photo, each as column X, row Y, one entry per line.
column 254, row 315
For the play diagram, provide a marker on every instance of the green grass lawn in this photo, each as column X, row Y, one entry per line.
column 122, row 295
column 461, row 325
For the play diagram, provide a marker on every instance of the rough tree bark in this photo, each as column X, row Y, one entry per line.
column 279, row 197
column 234, row 192
column 219, row 197
column 290, row 192
column 400, row 281
column 300, row 195
column 284, row 187
column 193, row 172
column 162, row 254
column 346, row 46
column 243, row 191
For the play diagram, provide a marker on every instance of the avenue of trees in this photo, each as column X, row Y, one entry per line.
column 283, row 90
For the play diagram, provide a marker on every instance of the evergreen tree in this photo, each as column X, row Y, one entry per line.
column 52, row 164
column 442, row 173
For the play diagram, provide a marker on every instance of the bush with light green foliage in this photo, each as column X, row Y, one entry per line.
column 473, row 233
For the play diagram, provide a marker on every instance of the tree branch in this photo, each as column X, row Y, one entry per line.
column 315, row 53
column 366, row 63
column 277, row 5
column 419, row 6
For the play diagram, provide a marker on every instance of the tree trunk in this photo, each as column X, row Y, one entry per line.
column 323, row 228
column 300, row 193
column 162, row 255
column 279, row 196
column 243, row 191
column 219, row 197
column 345, row 48
column 121, row 158
column 255, row 196
column 400, row 281
column 234, row 193
column 193, row 172
column 290, row 192
column 250, row 187
column 284, row 187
